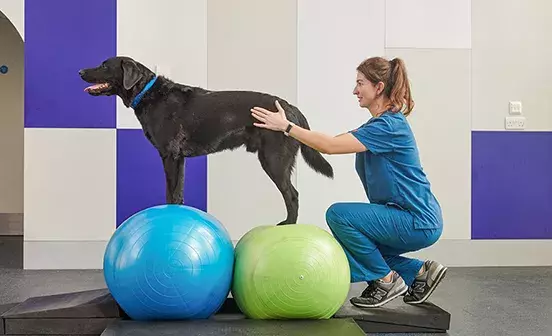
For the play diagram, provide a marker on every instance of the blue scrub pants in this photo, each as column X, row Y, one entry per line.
column 374, row 236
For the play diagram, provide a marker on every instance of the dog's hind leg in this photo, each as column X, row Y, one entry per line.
column 174, row 176
column 278, row 165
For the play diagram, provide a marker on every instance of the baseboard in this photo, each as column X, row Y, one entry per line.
column 479, row 253
column 63, row 254
column 451, row 252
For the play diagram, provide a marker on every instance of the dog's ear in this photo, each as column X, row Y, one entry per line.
column 131, row 74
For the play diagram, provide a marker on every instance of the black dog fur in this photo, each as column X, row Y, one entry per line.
column 184, row 121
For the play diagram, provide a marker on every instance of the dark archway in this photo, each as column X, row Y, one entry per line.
column 11, row 144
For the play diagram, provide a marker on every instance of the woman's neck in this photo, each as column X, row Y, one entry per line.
column 379, row 107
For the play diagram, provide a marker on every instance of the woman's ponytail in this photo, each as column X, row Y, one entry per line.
column 399, row 87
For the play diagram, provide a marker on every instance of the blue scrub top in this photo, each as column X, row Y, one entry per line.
column 391, row 172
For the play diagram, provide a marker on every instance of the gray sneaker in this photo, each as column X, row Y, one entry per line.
column 424, row 284
column 379, row 293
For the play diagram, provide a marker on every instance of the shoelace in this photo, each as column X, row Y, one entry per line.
column 369, row 289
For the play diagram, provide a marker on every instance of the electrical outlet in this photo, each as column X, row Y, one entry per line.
column 514, row 123
column 515, row 107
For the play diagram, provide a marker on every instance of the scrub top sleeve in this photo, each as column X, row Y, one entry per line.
column 376, row 136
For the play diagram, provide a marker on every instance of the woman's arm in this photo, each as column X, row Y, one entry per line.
column 344, row 143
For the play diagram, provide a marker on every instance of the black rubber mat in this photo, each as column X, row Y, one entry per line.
column 242, row 327
column 86, row 304
column 4, row 308
column 77, row 313
column 91, row 312
column 397, row 316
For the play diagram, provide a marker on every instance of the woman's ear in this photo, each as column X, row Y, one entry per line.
column 380, row 87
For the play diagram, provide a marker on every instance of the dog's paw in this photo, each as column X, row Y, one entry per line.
column 285, row 222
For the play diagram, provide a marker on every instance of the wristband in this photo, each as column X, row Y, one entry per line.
column 288, row 129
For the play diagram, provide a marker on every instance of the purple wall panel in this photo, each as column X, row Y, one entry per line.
column 62, row 37
column 141, row 180
column 511, row 185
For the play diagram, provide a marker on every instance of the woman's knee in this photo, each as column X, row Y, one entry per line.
column 336, row 215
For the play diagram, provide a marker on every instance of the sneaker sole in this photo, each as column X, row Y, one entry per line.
column 360, row 305
column 440, row 277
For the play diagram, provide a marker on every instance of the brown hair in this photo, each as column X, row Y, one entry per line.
column 395, row 79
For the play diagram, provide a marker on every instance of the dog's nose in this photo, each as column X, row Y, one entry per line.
column 81, row 72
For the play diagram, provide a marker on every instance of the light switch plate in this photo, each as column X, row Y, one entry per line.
column 515, row 108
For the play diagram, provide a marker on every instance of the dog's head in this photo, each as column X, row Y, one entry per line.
column 120, row 76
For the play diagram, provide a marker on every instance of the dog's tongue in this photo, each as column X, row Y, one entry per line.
column 94, row 87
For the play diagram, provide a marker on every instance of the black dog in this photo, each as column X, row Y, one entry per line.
column 185, row 121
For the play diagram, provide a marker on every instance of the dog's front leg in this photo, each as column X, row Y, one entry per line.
column 174, row 176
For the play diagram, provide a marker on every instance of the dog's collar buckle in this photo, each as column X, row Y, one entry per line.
column 140, row 95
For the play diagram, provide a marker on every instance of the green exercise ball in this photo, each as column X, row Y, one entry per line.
column 290, row 272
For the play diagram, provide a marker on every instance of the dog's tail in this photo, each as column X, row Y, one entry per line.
column 314, row 159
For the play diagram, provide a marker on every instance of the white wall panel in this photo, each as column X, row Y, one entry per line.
column 333, row 38
column 252, row 46
column 169, row 37
column 69, row 184
column 441, row 121
column 14, row 10
column 428, row 24
column 511, row 54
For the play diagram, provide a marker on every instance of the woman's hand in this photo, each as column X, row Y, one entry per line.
column 342, row 144
column 275, row 121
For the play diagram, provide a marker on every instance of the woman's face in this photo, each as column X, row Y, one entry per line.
column 365, row 91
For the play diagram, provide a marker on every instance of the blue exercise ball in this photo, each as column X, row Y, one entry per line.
column 169, row 262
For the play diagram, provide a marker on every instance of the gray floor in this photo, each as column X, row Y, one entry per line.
column 11, row 252
column 482, row 301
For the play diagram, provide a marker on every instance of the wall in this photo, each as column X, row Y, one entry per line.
column 467, row 61
column 241, row 57
column 327, row 57
column 434, row 39
column 15, row 11
column 88, row 166
column 512, row 187
column 11, row 130
column 181, row 54
column 70, row 138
